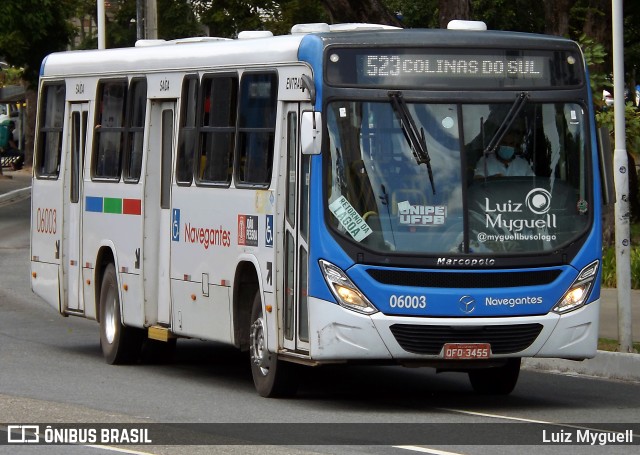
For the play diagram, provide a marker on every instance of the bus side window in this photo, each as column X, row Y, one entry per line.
column 188, row 131
column 109, row 129
column 49, row 148
column 256, row 128
column 218, row 129
column 135, row 134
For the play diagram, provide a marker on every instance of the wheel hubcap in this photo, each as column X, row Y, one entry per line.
column 259, row 355
column 110, row 319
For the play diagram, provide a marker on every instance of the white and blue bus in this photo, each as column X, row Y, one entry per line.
column 341, row 194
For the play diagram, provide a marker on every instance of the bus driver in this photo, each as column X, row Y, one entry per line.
column 505, row 162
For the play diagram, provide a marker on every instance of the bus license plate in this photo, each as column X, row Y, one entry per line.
column 467, row 350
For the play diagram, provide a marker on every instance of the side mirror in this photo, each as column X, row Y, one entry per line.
column 606, row 166
column 311, row 133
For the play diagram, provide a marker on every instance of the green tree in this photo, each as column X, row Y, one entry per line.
column 226, row 18
column 87, row 31
column 373, row 11
column 594, row 55
column 32, row 29
column 29, row 31
column 287, row 13
column 513, row 15
column 413, row 14
column 176, row 20
column 454, row 9
column 11, row 76
column 632, row 137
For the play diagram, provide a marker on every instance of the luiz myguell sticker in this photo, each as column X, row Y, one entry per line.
column 350, row 219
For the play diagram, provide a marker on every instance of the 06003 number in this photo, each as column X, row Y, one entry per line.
column 46, row 221
column 408, row 301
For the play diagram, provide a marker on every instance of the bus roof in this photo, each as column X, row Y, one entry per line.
column 172, row 56
column 188, row 54
column 467, row 39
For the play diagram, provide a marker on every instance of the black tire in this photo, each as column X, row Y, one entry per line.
column 271, row 377
column 496, row 380
column 120, row 344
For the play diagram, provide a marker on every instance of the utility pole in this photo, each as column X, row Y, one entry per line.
column 151, row 20
column 621, row 179
column 139, row 19
column 101, row 25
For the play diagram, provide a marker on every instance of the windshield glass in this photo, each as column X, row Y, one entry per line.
column 503, row 179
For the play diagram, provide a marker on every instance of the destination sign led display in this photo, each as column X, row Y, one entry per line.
column 463, row 66
column 440, row 69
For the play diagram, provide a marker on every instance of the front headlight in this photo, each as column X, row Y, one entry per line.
column 343, row 289
column 579, row 291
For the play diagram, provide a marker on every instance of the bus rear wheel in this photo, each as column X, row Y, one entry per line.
column 120, row 344
column 271, row 377
column 497, row 380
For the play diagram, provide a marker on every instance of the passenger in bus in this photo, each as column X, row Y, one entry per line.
column 505, row 162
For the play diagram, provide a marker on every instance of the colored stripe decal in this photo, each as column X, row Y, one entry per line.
column 132, row 206
column 113, row 205
column 93, row 204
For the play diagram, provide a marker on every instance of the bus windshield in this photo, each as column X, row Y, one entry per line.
column 503, row 180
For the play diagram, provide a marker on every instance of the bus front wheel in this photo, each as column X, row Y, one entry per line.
column 271, row 377
column 497, row 380
column 120, row 344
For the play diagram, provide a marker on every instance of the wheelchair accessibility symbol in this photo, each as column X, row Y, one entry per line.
column 175, row 225
column 268, row 233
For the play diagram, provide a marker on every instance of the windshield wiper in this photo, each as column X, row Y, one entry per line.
column 516, row 107
column 414, row 137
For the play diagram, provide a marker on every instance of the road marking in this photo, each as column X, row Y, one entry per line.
column 426, row 450
column 495, row 416
column 116, row 449
column 520, row 419
column 15, row 196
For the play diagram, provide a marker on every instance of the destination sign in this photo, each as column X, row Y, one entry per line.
column 464, row 66
column 440, row 69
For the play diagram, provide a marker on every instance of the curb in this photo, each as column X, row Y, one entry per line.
column 15, row 196
column 610, row 365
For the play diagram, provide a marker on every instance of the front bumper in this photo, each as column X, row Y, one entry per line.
column 338, row 334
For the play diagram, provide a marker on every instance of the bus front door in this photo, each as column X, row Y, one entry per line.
column 72, row 211
column 296, row 231
column 157, row 219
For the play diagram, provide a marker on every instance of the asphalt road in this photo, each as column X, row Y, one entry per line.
column 52, row 371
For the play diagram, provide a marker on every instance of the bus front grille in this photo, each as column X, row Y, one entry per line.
column 429, row 339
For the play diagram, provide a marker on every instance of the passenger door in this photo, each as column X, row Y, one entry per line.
column 294, row 319
column 72, row 208
column 157, row 218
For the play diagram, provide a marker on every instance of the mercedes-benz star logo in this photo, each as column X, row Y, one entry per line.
column 467, row 304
